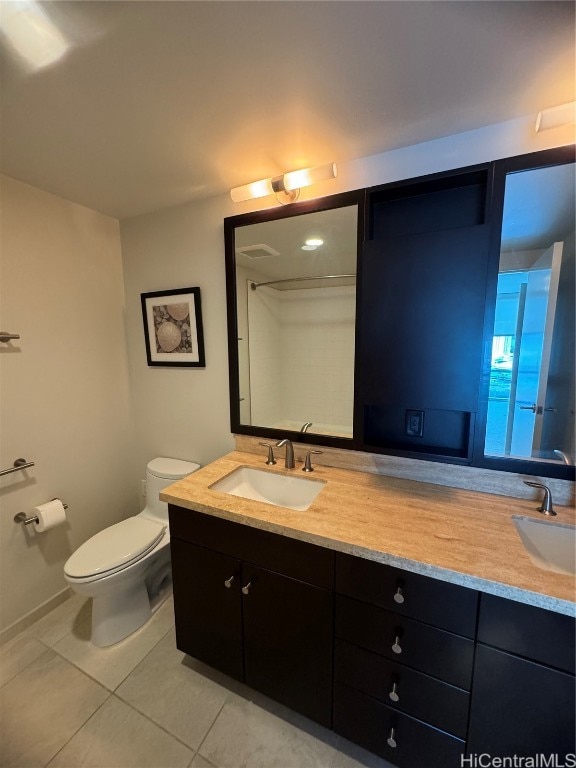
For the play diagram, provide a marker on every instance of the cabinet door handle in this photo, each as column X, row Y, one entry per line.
column 398, row 596
column 391, row 740
column 393, row 695
column 396, row 647
column 246, row 588
column 228, row 583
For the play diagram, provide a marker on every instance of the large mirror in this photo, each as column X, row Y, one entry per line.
column 531, row 397
column 295, row 308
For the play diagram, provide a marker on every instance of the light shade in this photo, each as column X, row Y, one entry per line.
column 289, row 182
column 250, row 191
column 555, row 117
column 308, row 176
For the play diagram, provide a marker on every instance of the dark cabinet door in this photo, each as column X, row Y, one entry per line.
column 207, row 606
column 520, row 708
column 421, row 326
column 288, row 641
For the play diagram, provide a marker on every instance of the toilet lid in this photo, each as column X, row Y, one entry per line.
column 171, row 469
column 115, row 546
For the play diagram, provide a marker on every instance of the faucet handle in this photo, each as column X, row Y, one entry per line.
column 308, row 463
column 546, row 507
column 270, row 460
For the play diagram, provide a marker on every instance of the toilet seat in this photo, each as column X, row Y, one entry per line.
column 114, row 549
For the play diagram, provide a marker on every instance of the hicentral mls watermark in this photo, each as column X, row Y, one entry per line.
column 485, row 760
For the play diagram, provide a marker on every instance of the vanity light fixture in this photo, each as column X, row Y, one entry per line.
column 287, row 186
column 556, row 117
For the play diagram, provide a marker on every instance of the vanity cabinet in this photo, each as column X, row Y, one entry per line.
column 414, row 669
column 523, row 693
column 257, row 606
column 404, row 658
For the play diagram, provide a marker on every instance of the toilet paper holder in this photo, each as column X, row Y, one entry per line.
column 22, row 517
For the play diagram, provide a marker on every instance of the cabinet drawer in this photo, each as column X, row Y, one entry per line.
column 443, row 605
column 289, row 557
column 535, row 633
column 440, row 704
column 369, row 723
column 424, row 648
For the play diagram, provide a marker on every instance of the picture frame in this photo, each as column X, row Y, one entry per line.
column 173, row 329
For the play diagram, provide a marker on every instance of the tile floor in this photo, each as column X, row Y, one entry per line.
column 143, row 704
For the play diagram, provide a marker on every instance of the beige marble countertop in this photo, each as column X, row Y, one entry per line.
column 464, row 537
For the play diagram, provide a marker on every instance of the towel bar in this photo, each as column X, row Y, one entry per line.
column 5, row 337
column 18, row 464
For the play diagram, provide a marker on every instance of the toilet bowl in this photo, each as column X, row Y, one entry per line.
column 125, row 568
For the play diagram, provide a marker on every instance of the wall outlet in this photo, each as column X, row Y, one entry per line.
column 143, row 487
column 414, row 423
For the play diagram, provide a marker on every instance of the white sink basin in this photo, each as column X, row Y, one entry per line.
column 270, row 487
column 551, row 546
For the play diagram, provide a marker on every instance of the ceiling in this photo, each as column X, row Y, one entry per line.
column 158, row 103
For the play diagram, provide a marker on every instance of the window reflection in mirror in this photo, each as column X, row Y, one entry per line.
column 531, row 397
column 296, row 306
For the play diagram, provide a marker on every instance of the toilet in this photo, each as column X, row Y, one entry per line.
column 125, row 568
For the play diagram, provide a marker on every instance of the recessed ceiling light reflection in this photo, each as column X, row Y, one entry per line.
column 315, row 241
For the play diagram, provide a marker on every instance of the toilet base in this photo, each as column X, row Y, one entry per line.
column 116, row 615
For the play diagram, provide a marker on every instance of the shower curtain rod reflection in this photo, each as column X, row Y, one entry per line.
column 298, row 280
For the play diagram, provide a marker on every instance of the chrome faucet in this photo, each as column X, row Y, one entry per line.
column 270, row 460
column 561, row 455
column 289, row 461
column 308, row 462
column 546, row 507
column 306, row 426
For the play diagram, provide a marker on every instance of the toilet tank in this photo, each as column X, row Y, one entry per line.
column 160, row 473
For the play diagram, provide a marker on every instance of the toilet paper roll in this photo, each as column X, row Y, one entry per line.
column 49, row 515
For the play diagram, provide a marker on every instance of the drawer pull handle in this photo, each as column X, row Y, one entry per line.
column 246, row 589
column 398, row 596
column 391, row 740
column 396, row 647
column 228, row 583
column 394, row 693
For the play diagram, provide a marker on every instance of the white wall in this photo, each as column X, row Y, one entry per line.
column 317, row 342
column 266, row 356
column 180, row 412
column 65, row 393
column 185, row 413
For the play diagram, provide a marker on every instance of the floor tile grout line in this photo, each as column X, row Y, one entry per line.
column 226, row 701
column 135, row 667
column 151, row 720
column 79, row 620
column 98, row 708
column 46, row 649
column 103, row 685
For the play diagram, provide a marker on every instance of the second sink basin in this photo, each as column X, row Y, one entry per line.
column 551, row 546
column 270, row 487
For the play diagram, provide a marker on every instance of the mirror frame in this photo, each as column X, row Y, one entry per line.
column 501, row 168
column 341, row 200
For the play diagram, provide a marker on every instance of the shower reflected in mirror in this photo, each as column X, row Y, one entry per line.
column 296, row 310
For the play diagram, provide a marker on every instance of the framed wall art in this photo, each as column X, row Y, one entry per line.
column 173, row 328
